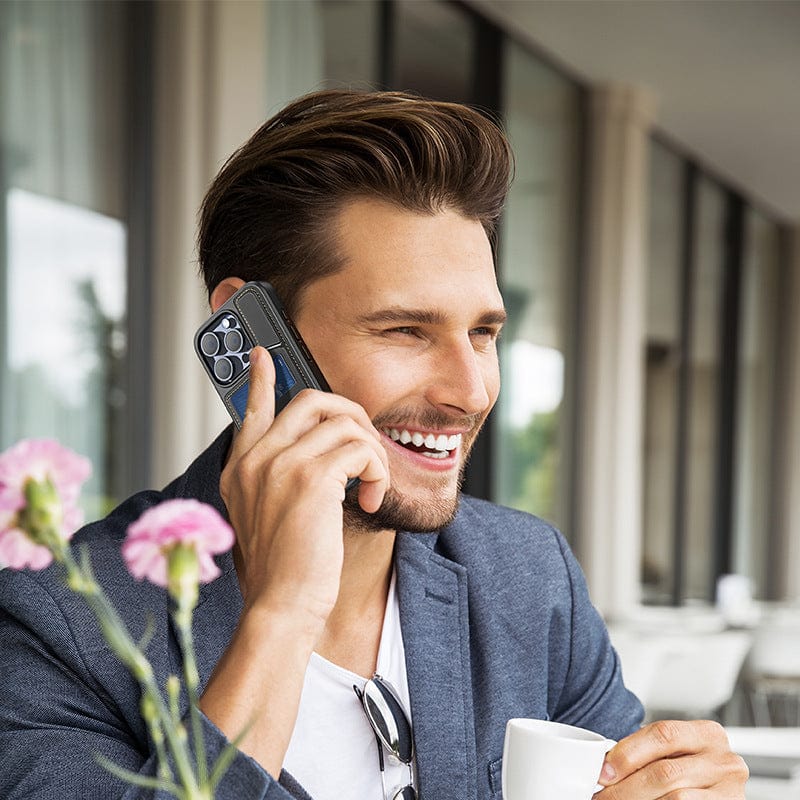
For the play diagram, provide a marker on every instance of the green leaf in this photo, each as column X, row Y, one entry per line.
column 225, row 758
column 222, row 763
column 144, row 781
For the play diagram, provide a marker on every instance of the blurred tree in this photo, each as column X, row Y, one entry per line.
column 534, row 459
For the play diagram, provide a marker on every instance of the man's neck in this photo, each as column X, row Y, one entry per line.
column 353, row 632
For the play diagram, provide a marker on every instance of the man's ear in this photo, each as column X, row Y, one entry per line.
column 224, row 291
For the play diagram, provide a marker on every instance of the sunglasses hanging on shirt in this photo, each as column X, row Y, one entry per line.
column 392, row 727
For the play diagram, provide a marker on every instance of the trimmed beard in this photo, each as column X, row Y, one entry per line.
column 399, row 513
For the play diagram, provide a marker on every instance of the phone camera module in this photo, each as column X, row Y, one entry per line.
column 223, row 369
column 226, row 348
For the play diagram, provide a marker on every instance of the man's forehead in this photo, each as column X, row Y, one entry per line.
column 393, row 258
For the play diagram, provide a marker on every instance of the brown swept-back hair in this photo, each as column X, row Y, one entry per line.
column 268, row 214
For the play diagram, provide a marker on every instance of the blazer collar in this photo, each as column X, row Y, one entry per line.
column 434, row 616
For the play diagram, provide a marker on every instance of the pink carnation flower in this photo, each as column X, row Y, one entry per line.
column 37, row 459
column 181, row 521
column 18, row 551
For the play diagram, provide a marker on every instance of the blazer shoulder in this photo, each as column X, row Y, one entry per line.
column 489, row 536
column 491, row 523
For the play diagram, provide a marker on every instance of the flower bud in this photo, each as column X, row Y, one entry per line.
column 43, row 515
column 183, row 576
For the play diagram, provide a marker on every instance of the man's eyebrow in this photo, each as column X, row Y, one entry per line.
column 496, row 316
column 425, row 316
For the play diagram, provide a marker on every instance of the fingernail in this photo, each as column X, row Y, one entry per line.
column 255, row 354
column 608, row 773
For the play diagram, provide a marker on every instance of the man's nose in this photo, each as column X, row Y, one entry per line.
column 461, row 379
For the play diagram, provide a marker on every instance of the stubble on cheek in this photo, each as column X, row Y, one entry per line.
column 400, row 513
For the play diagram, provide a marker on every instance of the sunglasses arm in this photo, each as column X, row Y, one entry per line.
column 360, row 696
column 383, row 768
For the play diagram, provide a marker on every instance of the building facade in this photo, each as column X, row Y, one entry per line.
column 651, row 381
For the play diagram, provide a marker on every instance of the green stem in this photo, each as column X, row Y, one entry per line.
column 150, row 715
column 183, row 620
column 82, row 581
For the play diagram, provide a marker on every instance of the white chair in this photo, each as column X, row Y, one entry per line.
column 685, row 675
column 698, row 674
column 701, row 618
column 640, row 661
column 773, row 668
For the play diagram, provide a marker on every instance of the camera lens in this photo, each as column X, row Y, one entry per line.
column 233, row 341
column 209, row 343
column 223, row 369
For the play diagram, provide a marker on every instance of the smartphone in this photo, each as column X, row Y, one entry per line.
column 255, row 316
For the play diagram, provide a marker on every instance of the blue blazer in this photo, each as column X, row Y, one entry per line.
column 496, row 620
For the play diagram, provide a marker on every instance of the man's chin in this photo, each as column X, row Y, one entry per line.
column 398, row 513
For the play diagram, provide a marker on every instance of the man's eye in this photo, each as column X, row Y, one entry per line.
column 406, row 330
column 485, row 333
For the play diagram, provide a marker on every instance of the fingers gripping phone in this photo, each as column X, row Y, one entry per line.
column 254, row 316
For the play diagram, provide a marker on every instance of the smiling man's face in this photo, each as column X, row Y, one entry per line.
column 408, row 329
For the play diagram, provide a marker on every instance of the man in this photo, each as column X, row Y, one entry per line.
column 373, row 216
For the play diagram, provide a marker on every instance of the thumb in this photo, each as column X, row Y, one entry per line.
column 260, row 409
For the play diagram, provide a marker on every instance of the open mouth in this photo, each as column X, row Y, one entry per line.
column 427, row 444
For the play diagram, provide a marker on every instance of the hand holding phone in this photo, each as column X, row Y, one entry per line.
column 255, row 316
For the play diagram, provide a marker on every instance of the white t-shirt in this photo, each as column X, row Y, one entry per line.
column 333, row 752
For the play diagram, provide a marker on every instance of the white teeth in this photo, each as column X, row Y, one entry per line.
column 440, row 445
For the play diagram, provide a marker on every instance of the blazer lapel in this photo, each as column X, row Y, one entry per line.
column 434, row 616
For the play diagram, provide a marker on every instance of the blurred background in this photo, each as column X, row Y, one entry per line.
column 649, row 258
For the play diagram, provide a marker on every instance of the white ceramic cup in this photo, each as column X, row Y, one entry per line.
column 545, row 760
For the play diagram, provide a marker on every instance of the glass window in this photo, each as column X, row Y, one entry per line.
column 662, row 372
column 704, row 364
column 433, row 50
column 294, row 51
column 63, row 232
column 316, row 44
column 350, row 31
column 537, row 258
column 755, row 400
